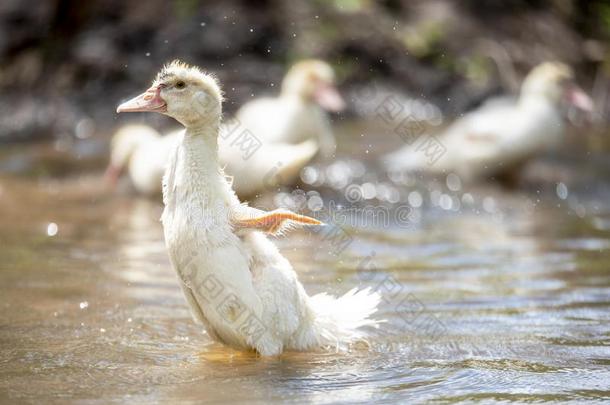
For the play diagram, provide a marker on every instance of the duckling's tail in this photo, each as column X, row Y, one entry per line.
column 340, row 321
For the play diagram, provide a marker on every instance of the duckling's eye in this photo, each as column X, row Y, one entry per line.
column 180, row 85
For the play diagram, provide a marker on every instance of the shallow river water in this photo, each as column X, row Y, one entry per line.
column 505, row 299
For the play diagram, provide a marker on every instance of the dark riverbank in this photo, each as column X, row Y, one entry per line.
column 65, row 62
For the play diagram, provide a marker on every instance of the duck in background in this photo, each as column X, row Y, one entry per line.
column 284, row 133
column 291, row 128
column 236, row 282
column 501, row 136
column 142, row 152
column 298, row 114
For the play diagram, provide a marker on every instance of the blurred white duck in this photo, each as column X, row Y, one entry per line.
column 236, row 282
column 298, row 113
column 143, row 152
column 500, row 136
column 289, row 130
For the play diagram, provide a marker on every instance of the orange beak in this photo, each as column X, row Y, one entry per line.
column 579, row 99
column 111, row 175
column 581, row 107
column 150, row 100
column 328, row 97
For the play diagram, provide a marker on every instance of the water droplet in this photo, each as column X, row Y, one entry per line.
column 368, row 191
column 562, row 191
column 52, row 229
column 85, row 128
column 338, row 175
column 393, row 196
column 445, row 202
column 453, row 182
column 415, row 199
column 309, row 175
column 315, row 203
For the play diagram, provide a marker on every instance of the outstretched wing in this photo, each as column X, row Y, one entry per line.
column 274, row 222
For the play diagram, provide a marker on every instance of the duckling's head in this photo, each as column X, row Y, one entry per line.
column 182, row 92
column 313, row 81
column 554, row 82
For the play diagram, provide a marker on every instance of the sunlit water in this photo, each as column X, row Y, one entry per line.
column 506, row 298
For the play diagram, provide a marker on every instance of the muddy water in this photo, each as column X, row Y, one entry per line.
column 506, row 298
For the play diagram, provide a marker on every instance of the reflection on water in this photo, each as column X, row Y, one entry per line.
column 508, row 302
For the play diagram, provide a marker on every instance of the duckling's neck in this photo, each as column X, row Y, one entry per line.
column 535, row 101
column 290, row 94
column 201, row 170
column 195, row 195
column 201, row 147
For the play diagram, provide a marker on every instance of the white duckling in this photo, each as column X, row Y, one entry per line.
column 500, row 136
column 298, row 113
column 143, row 153
column 289, row 129
column 235, row 280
